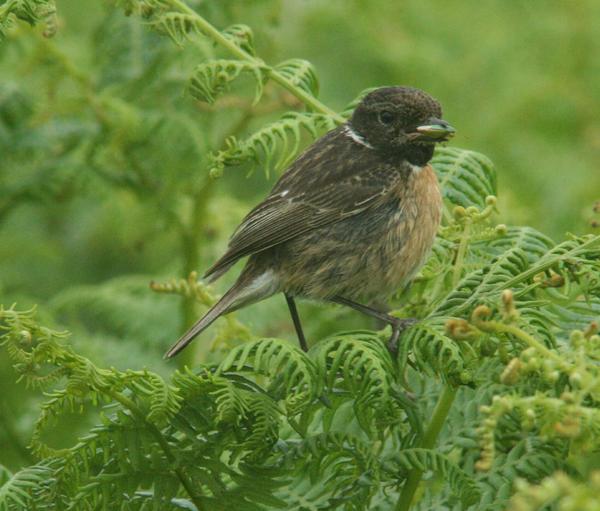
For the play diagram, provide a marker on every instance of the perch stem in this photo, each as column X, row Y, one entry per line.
column 427, row 442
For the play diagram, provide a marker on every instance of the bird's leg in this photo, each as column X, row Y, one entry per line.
column 398, row 324
column 296, row 319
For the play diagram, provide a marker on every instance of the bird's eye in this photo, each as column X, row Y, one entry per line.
column 386, row 117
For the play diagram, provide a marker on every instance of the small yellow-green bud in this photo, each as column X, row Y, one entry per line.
column 459, row 212
column 216, row 172
column 491, row 200
column 501, row 230
column 575, row 379
column 511, row 372
column 25, row 338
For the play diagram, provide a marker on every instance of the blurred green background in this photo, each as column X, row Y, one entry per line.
column 103, row 157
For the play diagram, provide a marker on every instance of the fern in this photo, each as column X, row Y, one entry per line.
column 30, row 11
column 17, row 490
column 424, row 459
column 275, row 145
column 211, row 78
column 301, row 74
column 292, row 374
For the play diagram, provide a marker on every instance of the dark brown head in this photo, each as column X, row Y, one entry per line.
column 401, row 121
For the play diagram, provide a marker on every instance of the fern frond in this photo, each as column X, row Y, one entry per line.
column 164, row 400
column 529, row 459
column 30, row 11
column 485, row 284
column 360, row 364
column 293, row 375
column 301, row 73
column 242, row 36
column 342, row 465
column 176, row 25
column 210, row 79
column 434, row 352
column 276, row 144
column 466, row 178
column 426, row 459
column 16, row 490
column 558, row 491
column 533, row 243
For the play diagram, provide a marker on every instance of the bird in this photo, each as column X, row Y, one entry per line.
column 350, row 221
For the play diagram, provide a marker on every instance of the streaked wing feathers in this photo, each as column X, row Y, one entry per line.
column 293, row 208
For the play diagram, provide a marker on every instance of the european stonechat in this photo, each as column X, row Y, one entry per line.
column 351, row 220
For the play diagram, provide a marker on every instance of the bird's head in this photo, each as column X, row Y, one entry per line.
column 401, row 121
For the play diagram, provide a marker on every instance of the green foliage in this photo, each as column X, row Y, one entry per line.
column 30, row 11
column 506, row 314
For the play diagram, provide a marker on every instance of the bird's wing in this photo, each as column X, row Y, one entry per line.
column 323, row 186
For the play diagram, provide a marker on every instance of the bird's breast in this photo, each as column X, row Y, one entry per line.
column 412, row 228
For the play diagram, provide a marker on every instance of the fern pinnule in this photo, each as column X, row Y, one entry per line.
column 421, row 459
column 17, row 490
column 176, row 25
column 484, row 285
column 344, row 465
column 428, row 346
column 242, row 36
column 275, row 145
column 467, row 178
column 210, row 79
column 359, row 363
column 534, row 243
column 164, row 400
column 301, row 73
column 292, row 374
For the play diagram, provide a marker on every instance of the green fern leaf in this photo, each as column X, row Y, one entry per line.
column 432, row 350
column 483, row 286
column 360, row 364
column 277, row 144
column 425, row 459
column 533, row 243
column 343, row 467
column 165, row 401
column 212, row 78
column 175, row 25
column 301, row 73
column 242, row 36
column 466, row 177
column 16, row 489
column 293, row 375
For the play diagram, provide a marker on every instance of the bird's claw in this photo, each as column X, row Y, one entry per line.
column 398, row 326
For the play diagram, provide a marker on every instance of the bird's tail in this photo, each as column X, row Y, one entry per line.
column 244, row 292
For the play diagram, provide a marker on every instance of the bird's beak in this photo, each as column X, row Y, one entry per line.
column 435, row 130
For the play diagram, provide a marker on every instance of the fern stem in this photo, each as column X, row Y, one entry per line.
column 191, row 260
column 523, row 336
column 219, row 38
column 550, row 262
column 460, row 256
column 183, row 479
column 428, row 441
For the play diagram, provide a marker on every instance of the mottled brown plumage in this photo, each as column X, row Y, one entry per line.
column 353, row 218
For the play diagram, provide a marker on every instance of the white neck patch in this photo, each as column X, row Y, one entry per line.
column 349, row 132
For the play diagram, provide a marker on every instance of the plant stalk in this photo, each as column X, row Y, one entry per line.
column 277, row 77
column 135, row 410
column 428, row 441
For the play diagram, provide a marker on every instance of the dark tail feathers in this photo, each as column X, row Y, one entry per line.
column 245, row 291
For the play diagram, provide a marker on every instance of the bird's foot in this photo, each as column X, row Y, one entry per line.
column 398, row 326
